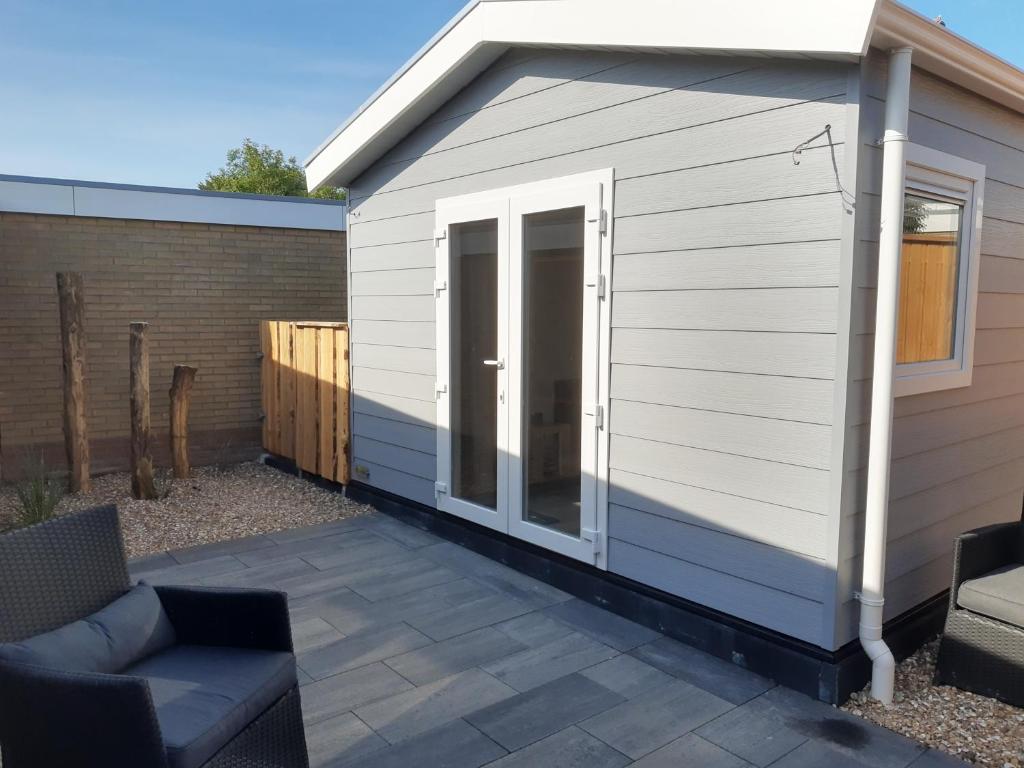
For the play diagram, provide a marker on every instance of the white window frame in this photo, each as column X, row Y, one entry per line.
column 941, row 176
column 594, row 190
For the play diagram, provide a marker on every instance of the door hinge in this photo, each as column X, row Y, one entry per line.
column 594, row 537
column 603, row 226
column 440, row 389
column 597, row 282
column 440, row 488
column 440, row 285
column 597, row 411
column 440, row 235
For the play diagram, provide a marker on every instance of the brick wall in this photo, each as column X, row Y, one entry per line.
column 201, row 287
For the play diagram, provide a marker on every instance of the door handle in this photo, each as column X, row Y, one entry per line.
column 499, row 364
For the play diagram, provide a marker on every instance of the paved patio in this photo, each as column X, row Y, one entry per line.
column 415, row 651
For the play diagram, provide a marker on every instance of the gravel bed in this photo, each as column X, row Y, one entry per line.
column 215, row 504
column 974, row 728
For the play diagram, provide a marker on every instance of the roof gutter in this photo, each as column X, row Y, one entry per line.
column 943, row 52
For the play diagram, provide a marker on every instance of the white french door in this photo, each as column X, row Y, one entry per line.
column 522, row 345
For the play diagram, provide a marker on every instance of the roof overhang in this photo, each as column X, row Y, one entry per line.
column 948, row 55
column 485, row 29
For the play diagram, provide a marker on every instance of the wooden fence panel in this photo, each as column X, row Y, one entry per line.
column 928, row 283
column 305, row 394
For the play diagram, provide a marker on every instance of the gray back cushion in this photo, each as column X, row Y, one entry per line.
column 129, row 629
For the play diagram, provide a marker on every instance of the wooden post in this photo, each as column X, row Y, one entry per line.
column 142, row 460
column 71, row 301
column 181, row 399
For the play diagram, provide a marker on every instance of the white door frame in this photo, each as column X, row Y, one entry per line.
column 594, row 192
column 453, row 212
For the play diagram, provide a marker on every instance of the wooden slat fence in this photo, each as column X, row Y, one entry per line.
column 305, row 395
column 927, row 297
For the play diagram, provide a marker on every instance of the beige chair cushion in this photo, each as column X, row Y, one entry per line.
column 998, row 595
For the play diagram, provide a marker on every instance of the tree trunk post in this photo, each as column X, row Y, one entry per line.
column 181, row 399
column 71, row 301
column 142, row 460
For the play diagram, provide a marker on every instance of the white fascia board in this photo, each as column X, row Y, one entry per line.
column 804, row 26
column 113, row 201
column 163, row 206
column 27, row 197
column 487, row 28
column 948, row 55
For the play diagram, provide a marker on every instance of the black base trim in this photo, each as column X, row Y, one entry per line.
column 828, row 676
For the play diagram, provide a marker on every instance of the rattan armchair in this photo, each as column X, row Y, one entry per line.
column 982, row 647
column 57, row 577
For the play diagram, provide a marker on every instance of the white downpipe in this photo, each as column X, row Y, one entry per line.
column 872, row 594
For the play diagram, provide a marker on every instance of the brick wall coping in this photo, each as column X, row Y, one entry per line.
column 68, row 197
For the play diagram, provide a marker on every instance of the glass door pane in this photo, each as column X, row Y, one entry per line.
column 474, row 353
column 552, row 368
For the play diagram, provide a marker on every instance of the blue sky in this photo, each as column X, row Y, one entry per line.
column 155, row 92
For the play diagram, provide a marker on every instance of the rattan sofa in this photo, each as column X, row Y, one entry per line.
column 982, row 648
column 97, row 673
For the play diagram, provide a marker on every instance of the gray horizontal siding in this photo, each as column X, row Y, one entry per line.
column 736, row 555
column 789, row 529
column 776, row 609
column 724, row 301
column 801, row 355
column 957, row 454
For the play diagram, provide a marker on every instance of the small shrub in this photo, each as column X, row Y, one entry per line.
column 39, row 495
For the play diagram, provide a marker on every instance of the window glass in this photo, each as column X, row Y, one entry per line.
column 929, row 278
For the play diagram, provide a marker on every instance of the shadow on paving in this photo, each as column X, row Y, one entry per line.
column 413, row 650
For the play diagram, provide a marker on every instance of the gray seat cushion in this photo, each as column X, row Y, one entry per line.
column 124, row 632
column 998, row 595
column 204, row 695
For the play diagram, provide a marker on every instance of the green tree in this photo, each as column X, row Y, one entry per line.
column 262, row 170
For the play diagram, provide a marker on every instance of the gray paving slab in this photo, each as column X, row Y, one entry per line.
column 217, row 548
column 931, row 758
column 429, row 706
column 321, row 530
column 353, row 538
column 844, row 733
column 569, row 748
column 402, row 578
column 376, row 553
column 323, row 582
column 313, row 633
column 361, row 649
column 652, row 720
column 627, row 676
column 342, row 738
column 406, row 535
column 454, row 655
column 327, row 605
column 152, row 562
column 263, row 576
column 728, row 681
column 191, row 573
column 459, row 619
column 536, row 666
column 757, row 739
column 691, row 751
column 332, row 696
column 816, row 754
column 614, row 631
column 500, row 577
column 453, row 745
column 521, row 720
column 534, row 629
column 359, row 615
